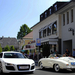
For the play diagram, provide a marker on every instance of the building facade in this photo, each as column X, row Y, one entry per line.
column 25, row 40
column 55, row 27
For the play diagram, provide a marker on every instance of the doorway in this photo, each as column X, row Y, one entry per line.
column 67, row 45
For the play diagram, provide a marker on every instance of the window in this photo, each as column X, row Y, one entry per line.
column 54, row 28
column 67, row 17
column 71, row 15
column 55, row 7
column 49, row 31
column 50, row 11
column 41, row 17
column 40, row 34
column 45, row 14
column 13, row 55
column 63, row 19
column 44, row 33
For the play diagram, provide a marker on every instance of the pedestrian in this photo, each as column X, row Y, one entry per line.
column 74, row 53
column 67, row 52
column 55, row 52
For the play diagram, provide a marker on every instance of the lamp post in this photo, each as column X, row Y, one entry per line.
column 71, row 29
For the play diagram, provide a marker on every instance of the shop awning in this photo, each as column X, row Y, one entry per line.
column 52, row 43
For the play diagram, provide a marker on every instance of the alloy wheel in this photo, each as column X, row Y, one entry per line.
column 56, row 67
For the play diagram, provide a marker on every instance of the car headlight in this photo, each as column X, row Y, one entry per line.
column 33, row 64
column 9, row 64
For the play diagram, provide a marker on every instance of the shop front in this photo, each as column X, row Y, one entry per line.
column 50, row 45
column 32, row 50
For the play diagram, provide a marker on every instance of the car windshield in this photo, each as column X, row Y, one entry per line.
column 54, row 55
column 13, row 55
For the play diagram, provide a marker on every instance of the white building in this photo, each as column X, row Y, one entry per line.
column 54, row 27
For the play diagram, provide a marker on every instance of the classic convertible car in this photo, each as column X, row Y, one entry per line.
column 11, row 61
column 57, row 63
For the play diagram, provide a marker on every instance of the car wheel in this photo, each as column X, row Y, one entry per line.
column 56, row 67
column 73, row 70
column 41, row 66
column 32, row 72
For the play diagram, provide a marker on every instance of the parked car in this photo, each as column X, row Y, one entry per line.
column 57, row 63
column 11, row 61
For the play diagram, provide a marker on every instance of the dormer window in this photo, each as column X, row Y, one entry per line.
column 41, row 16
column 45, row 14
column 55, row 7
column 50, row 11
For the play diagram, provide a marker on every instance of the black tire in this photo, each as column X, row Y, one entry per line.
column 41, row 66
column 73, row 70
column 32, row 72
column 56, row 67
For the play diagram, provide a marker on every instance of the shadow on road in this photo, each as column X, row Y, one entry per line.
column 61, row 71
column 17, row 73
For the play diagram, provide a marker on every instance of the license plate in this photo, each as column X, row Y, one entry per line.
column 73, row 63
column 23, row 67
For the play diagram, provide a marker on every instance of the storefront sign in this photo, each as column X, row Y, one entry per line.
column 38, row 42
column 31, row 42
column 29, row 47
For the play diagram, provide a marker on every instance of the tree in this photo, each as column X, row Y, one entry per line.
column 6, row 48
column 24, row 30
column 0, row 48
column 12, row 48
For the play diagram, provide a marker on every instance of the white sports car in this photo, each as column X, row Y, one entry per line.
column 57, row 63
column 11, row 61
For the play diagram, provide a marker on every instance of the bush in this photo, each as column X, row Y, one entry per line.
column 12, row 48
column 0, row 48
column 6, row 48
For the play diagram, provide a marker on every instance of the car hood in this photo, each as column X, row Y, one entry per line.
column 18, row 61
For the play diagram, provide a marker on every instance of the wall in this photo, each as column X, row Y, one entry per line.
column 44, row 23
column 66, row 34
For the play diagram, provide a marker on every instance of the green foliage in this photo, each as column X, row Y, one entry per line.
column 46, row 50
column 6, row 48
column 12, row 48
column 0, row 48
column 23, row 46
column 24, row 30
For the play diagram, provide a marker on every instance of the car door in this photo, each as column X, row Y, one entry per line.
column 44, row 61
column 49, row 62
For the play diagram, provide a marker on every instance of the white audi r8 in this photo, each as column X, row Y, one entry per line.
column 57, row 63
column 11, row 61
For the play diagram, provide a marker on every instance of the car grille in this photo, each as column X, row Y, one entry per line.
column 10, row 68
column 23, row 66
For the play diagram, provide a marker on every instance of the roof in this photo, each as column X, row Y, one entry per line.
column 30, row 35
column 8, row 41
column 10, row 52
column 55, row 12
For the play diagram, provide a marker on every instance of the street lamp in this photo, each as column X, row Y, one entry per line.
column 71, row 29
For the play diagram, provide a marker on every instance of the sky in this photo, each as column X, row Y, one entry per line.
column 15, row 13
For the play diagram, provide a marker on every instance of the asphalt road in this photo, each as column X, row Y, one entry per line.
column 49, row 71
